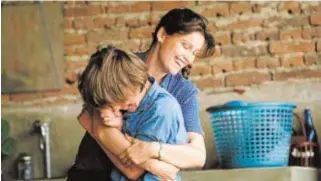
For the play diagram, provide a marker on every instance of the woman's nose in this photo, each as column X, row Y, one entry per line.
column 190, row 58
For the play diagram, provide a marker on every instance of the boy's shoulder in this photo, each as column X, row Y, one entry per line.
column 166, row 100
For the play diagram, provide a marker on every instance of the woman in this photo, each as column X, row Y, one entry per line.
column 180, row 36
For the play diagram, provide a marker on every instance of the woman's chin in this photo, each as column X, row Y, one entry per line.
column 174, row 72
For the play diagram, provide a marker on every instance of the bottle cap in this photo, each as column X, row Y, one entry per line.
column 26, row 158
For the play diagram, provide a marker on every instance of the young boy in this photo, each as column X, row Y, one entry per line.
column 117, row 81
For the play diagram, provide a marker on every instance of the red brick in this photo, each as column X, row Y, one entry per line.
column 69, row 51
column 75, row 65
column 311, row 32
column 245, row 50
column 156, row 16
column 244, row 63
column 295, row 60
column 200, row 70
column 297, row 74
column 209, row 83
column 288, row 34
column 267, row 62
column 266, row 35
column 257, row 7
column 145, row 44
column 242, row 24
column 107, row 35
column 167, row 5
column 67, row 24
column 222, row 38
column 273, row 22
column 132, row 21
column 21, row 97
column 217, row 10
column 104, row 22
column 218, row 51
column 279, row 22
column 67, row 90
column 145, row 32
column 221, row 66
column 246, row 78
column 302, row 20
column 291, row 47
column 242, row 37
column 94, row 10
column 74, row 39
column 69, row 11
column 212, row 27
column 71, row 77
column 120, row 21
column 88, row 22
column 135, row 7
column 83, row 11
column 240, row 8
column 311, row 59
column 131, row 45
column 315, row 19
column 311, row 7
column 5, row 98
column 318, row 45
column 83, row 51
column 290, row 7
column 78, row 24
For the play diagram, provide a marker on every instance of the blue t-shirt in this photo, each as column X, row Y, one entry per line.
column 157, row 118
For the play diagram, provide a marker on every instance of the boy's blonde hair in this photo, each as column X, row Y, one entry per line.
column 111, row 76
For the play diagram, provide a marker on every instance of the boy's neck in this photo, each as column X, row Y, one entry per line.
column 147, row 86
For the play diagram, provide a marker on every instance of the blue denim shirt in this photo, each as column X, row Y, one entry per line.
column 158, row 118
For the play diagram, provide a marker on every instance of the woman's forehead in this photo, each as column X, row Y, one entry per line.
column 195, row 38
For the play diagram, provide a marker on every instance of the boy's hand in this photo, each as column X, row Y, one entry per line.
column 84, row 119
column 110, row 118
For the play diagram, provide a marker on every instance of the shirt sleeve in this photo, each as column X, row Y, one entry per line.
column 163, row 123
column 190, row 109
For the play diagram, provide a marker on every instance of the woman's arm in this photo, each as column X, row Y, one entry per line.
column 195, row 152
column 176, row 154
column 103, row 134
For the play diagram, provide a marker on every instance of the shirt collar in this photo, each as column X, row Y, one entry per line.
column 150, row 96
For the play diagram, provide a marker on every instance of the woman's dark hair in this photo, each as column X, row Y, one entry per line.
column 186, row 21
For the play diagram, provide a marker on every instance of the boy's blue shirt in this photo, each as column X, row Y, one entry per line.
column 157, row 118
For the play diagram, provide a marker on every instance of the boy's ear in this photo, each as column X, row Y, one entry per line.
column 161, row 35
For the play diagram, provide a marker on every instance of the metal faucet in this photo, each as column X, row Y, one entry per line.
column 43, row 129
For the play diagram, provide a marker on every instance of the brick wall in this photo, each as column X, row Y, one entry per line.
column 259, row 42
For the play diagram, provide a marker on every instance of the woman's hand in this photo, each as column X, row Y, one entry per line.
column 163, row 170
column 139, row 152
column 84, row 119
column 110, row 118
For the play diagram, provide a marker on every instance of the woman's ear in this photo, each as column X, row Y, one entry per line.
column 161, row 35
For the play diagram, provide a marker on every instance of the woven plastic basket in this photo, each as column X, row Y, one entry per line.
column 252, row 134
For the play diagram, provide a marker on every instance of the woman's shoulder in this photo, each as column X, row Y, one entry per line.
column 180, row 87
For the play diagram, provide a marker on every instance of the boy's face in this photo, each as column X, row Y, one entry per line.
column 130, row 105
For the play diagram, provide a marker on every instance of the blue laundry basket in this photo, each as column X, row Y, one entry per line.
column 252, row 134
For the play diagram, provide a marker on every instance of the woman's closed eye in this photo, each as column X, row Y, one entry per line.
column 186, row 46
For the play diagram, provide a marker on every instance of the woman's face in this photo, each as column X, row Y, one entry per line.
column 178, row 50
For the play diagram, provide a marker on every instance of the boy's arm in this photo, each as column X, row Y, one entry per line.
column 103, row 134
